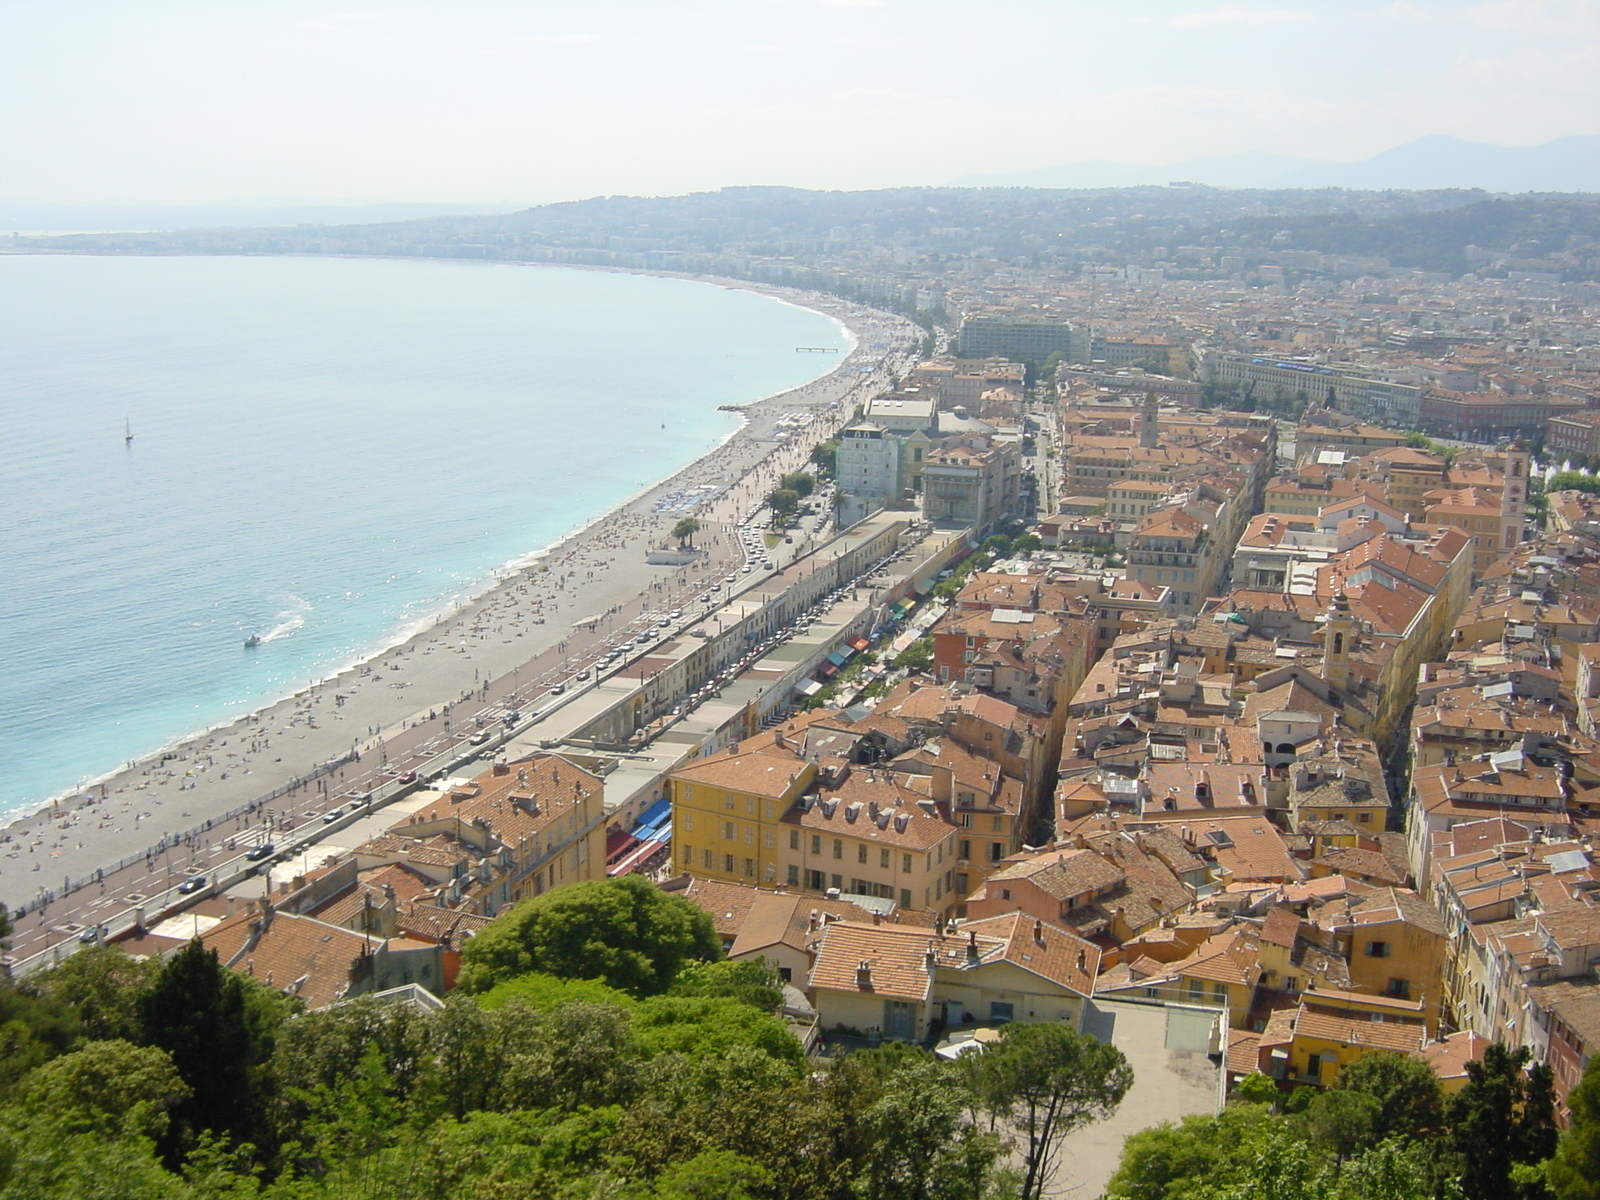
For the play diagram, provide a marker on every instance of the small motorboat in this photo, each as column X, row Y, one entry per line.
column 251, row 642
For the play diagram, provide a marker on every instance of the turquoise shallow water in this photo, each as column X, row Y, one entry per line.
column 325, row 451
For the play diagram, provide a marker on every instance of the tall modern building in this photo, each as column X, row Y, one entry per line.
column 983, row 337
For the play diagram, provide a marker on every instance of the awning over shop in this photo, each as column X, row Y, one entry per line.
column 809, row 688
column 829, row 670
column 859, row 643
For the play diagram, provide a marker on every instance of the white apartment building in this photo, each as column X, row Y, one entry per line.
column 869, row 471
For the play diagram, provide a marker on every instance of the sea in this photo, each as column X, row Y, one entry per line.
column 324, row 453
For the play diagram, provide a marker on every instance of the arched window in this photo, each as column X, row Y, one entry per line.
column 1285, row 747
column 1338, row 643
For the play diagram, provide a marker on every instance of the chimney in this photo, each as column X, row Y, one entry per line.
column 972, row 948
column 864, row 975
column 1038, row 931
column 501, row 767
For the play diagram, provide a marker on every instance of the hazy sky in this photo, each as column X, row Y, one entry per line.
column 526, row 101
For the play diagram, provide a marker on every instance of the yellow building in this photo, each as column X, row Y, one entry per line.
column 765, row 813
column 1395, row 946
column 1330, row 1030
column 1221, row 972
column 727, row 809
column 870, row 835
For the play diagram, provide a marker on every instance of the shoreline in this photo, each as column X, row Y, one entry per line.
column 626, row 530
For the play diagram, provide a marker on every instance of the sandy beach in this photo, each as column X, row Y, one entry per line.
column 141, row 828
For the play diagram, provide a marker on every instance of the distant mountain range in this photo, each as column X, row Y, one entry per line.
column 252, row 214
column 1568, row 164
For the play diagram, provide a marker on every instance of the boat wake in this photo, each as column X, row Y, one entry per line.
column 287, row 622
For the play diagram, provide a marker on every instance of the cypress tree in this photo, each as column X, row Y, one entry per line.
column 195, row 1011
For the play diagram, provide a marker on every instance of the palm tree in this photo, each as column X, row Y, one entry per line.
column 685, row 530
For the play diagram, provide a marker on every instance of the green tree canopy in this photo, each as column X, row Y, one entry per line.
column 1501, row 1120
column 45, row 1159
column 1257, row 1088
column 109, row 1088
column 710, row 1026
column 1047, row 1081
column 33, row 1030
column 219, row 1030
column 1341, row 1122
column 800, row 483
column 826, row 456
column 103, row 985
column 916, row 657
column 1574, row 1172
column 901, row 1127
column 754, row 983
column 548, row 992
column 1176, row 1161
column 783, row 502
column 625, row 932
column 1410, row 1100
column 1573, row 481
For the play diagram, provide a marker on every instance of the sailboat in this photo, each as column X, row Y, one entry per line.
column 127, row 432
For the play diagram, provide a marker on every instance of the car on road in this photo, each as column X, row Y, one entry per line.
column 192, row 884
column 511, row 718
column 332, row 815
column 257, row 853
column 406, row 777
column 558, row 689
column 583, row 674
column 480, row 737
column 705, row 598
column 90, row 935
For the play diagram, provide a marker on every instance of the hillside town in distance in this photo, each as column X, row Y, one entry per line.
column 1199, row 647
